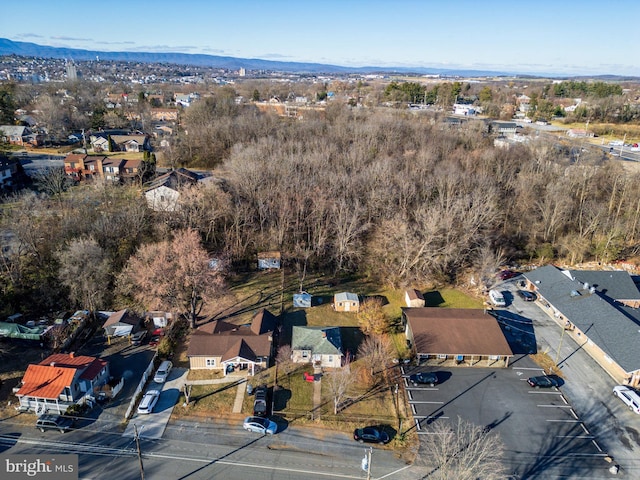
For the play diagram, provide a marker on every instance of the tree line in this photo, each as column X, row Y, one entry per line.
column 385, row 193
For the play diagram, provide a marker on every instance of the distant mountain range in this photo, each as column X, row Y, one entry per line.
column 26, row 49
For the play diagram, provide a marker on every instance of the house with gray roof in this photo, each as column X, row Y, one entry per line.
column 321, row 346
column 598, row 310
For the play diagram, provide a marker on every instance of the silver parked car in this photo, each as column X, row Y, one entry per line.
column 260, row 425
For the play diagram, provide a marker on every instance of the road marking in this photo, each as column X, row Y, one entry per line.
column 564, row 421
column 413, row 409
column 418, row 427
column 416, row 401
column 575, row 436
column 528, row 368
column 548, row 392
column 409, row 393
column 393, row 473
column 554, row 406
column 424, row 389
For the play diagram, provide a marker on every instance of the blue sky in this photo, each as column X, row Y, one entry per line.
column 543, row 36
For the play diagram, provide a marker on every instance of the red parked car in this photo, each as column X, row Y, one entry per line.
column 506, row 274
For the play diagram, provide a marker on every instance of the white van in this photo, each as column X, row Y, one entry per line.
column 163, row 371
column 497, row 299
column 629, row 396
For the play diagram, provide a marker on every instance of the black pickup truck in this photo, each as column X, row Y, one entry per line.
column 260, row 402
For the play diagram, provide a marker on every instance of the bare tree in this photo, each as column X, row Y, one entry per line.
column 376, row 351
column 85, row 270
column 172, row 275
column 339, row 383
column 52, row 181
column 464, row 451
column 284, row 360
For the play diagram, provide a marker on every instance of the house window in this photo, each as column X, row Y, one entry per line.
column 305, row 353
column 162, row 199
column 494, row 357
column 91, row 167
column 442, row 356
column 459, row 358
column 330, row 358
column 211, row 362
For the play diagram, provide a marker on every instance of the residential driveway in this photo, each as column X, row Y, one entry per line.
column 153, row 425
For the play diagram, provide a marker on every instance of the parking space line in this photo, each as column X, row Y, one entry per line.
column 424, row 389
column 564, row 421
column 413, row 409
column 528, row 368
column 549, row 392
column 554, row 406
column 575, row 436
column 417, row 401
column 429, row 416
column 596, row 445
column 418, row 427
column 410, row 395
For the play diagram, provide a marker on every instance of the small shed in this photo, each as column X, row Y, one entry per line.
column 346, row 302
column 302, row 300
column 120, row 324
column 268, row 260
column 414, row 298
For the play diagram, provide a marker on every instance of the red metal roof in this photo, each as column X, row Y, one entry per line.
column 44, row 381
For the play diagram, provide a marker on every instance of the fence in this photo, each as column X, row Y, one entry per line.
column 143, row 382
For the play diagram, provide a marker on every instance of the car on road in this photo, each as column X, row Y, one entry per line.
column 424, row 378
column 163, row 371
column 543, row 381
column 629, row 396
column 260, row 402
column 526, row 295
column 148, row 401
column 260, row 425
column 54, row 422
column 370, row 435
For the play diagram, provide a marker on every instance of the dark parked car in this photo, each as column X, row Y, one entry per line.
column 54, row 422
column 138, row 337
column 260, row 402
column 506, row 274
column 370, row 435
column 526, row 295
column 543, row 381
column 424, row 378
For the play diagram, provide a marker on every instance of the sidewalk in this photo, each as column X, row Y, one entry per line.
column 242, row 388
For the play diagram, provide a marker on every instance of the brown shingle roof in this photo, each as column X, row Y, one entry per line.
column 455, row 331
column 229, row 346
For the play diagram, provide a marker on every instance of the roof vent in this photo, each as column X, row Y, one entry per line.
column 592, row 290
column 586, row 286
column 575, row 293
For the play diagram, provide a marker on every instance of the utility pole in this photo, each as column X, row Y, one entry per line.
column 135, row 432
column 366, row 462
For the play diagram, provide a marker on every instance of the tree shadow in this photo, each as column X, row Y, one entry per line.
column 281, row 397
column 380, row 298
column 297, row 318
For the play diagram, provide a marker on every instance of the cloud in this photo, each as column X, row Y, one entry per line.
column 29, row 35
column 274, row 56
column 72, row 39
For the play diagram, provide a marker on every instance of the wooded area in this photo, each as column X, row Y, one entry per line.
column 380, row 192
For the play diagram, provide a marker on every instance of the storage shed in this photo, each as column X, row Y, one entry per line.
column 346, row 302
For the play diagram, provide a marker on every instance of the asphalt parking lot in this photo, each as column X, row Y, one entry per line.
column 541, row 430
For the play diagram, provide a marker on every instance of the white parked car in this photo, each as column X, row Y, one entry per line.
column 148, row 401
column 628, row 396
column 163, row 371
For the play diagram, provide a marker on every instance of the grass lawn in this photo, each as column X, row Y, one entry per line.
column 211, row 400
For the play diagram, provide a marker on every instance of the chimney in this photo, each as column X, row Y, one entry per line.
column 324, row 334
column 71, row 354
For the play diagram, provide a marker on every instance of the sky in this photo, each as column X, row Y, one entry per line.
column 588, row 37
